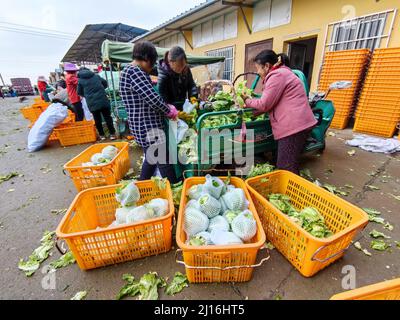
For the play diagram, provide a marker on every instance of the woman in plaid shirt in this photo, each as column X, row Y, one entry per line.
column 147, row 111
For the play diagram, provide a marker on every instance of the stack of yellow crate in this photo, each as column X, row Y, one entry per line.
column 378, row 110
column 348, row 65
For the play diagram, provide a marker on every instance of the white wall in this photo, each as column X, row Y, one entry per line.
column 271, row 13
column 214, row 30
column 172, row 41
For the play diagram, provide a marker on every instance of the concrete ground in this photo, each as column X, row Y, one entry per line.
column 25, row 214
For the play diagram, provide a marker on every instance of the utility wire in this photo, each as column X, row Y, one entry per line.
column 35, row 33
column 43, row 29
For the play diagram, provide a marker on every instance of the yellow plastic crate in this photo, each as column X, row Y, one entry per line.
column 95, row 208
column 307, row 253
column 389, row 290
column 76, row 133
column 96, row 176
column 376, row 127
column 209, row 264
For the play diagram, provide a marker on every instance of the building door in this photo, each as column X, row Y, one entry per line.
column 302, row 55
column 252, row 50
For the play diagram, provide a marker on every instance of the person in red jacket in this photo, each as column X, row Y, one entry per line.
column 72, row 86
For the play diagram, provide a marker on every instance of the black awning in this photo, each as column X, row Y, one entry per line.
column 87, row 48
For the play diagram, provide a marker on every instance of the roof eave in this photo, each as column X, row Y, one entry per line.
column 177, row 19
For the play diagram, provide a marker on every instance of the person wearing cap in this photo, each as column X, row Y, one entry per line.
column 44, row 88
column 71, row 80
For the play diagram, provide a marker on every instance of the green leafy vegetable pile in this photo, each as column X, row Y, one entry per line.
column 66, row 260
column 147, row 287
column 309, row 218
column 179, row 283
column 260, row 169
column 38, row 256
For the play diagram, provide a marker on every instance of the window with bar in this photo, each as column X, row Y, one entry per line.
column 359, row 33
column 229, row 66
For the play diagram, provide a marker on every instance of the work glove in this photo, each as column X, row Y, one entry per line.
column 173, row 112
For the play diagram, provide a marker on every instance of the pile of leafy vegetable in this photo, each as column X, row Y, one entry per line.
column 177, row 193
column 224, row 101
column 241, row 91
column 147, row 287
column 187, row 148
column 260, row 169
column 221, row 101
column 39, row 255
column 309, row 218
column 229, row 119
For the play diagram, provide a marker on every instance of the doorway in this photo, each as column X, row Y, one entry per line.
column 302, row 55
column 252, row 50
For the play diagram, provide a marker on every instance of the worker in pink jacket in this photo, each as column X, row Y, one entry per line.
column 285, row 99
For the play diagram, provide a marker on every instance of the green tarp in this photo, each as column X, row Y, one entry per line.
column 121, row 52
column 107, row 77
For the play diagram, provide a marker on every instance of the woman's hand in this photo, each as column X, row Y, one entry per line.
column 245, row 97
column 173, row 113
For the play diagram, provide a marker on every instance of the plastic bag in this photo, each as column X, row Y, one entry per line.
column 214, row 186
column 110, row 152
column 182, row 128
column 98, row 158
column 188, row 107
column 53, row 116
column 121, row 215
column 86, row 111
column 160, row 207
column 140, row 214
column 195, row 192
column 128, row 195
column 223, row 238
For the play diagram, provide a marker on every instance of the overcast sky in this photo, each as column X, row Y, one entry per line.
column 23, row 55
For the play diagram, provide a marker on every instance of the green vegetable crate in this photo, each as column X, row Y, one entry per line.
column 263, row 139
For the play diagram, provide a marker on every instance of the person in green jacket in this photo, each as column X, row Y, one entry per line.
column 92, row 87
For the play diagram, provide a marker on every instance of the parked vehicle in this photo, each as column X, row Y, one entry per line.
column 22, row 86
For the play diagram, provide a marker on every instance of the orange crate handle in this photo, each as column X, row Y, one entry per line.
column 333, row 255
column 218, row 268
column 60, row 250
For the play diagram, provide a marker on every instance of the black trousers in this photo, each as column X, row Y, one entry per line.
column 150, row 166
column 78, row 110
column 98, row 119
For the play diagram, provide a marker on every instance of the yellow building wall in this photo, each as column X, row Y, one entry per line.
column 309, row 18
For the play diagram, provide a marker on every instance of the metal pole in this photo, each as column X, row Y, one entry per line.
column 391, row 28
column 115, row 99
column 113, row 84
column 1, row 77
